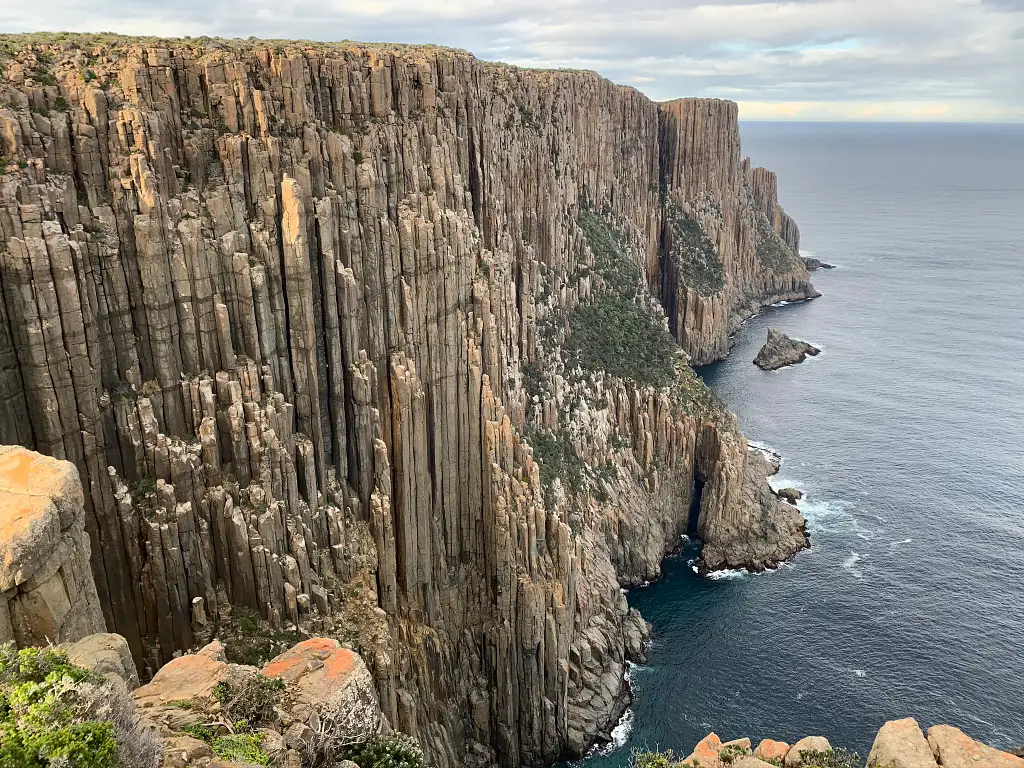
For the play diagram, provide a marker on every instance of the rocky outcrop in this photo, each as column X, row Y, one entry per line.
column 312, row 322
column 105, row 654
column 314, row 691
column 47, row 593
column 899, row 744
column 761, row 531
column 780, row 350
column 813, row 264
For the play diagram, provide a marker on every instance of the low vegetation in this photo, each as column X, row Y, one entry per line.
column 618, row 331
column 248, row 639
column 694, row 255
column 395, row 750
column 771, row 252
column 54, row 714
column 616, row 335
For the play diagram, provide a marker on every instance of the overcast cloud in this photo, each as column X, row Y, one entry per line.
column 806, row 59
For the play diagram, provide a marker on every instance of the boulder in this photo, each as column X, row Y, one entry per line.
column 181, row 751
column 813, row 264
column 44, row 552
column 105, row 654
column 706, row 753
column 901, row 744
column 748, row 761
column 955, row 749
column 792, row 495
column 807, row 744
column 321, row 670
column 187, row 678
column 780, row 350
column 770, row 749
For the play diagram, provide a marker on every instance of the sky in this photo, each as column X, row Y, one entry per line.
column 882, row 60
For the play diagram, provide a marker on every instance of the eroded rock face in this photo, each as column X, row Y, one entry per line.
column 780, row 350
column 47, row 593
column 299, row 314
column 765, row 531
column 105, row 654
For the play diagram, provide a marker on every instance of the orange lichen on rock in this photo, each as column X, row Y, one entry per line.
column 769, row 749
column 317, row 665
column 188, row 677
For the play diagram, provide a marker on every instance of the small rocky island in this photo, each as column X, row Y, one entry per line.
column 813, row 264
column 780, row 350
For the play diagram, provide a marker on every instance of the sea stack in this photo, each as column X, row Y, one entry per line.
column 780, row 350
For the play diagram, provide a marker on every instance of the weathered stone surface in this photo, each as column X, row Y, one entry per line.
column 187, row 678
column 955, row 749
column 769, row 749
column 706, row 753
column 47, row 592
column 320, row 670
column 780, row 350
column 794, row 757
column 298, row 315
column 105, row 654
column 751, row 762
column 900, row 744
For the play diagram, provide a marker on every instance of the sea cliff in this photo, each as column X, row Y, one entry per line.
column 385, row 344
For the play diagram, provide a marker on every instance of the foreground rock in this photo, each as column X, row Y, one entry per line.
column 898, row 744
column 780, row 350
column 47, row 592
column 313, row 701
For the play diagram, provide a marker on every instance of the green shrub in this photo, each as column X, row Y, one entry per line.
column 241, row 748
column 833, row 758
column 613, row 334
column 396, row 750
column 251, row 698
column 644, row 759
column 694, row 256
column 43, row 716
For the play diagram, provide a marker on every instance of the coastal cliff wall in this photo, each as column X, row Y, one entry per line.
column 371, row 341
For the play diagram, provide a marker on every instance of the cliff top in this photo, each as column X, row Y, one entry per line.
column 11, row 44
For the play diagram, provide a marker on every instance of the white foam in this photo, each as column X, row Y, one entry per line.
column 827, row 516
column 728, row 574
column 850, row 564
column 860, row 673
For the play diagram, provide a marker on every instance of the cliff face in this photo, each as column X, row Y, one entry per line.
column 324, row 329
column 737, row 210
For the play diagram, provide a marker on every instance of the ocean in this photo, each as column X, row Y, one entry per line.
column 906, row 436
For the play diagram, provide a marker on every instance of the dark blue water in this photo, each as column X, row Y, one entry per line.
column 907, row 437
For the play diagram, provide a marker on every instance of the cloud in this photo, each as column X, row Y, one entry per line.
column 804, row 59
